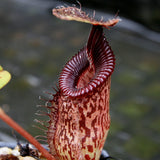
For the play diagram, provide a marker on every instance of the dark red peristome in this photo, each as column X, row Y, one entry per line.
column 96, row 59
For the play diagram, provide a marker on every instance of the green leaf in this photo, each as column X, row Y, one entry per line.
column 5, row 77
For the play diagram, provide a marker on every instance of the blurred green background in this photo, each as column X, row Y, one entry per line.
column 34, row 47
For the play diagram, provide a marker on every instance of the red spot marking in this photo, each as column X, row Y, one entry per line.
column 87, row 157
column 90, row 148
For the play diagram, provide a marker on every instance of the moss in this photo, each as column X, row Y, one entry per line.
column 115, row 127
column 128, row 79
column 142, row 146
column 51, row 69
column 31, row 62
column 20, row 84
column 134, row 109
column 10, row 53
column 155, row 124
column 153, row 90
column 149, row 65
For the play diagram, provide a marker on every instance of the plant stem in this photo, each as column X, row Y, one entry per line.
column 25, row 134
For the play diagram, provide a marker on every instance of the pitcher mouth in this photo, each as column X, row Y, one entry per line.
column 95, row 62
